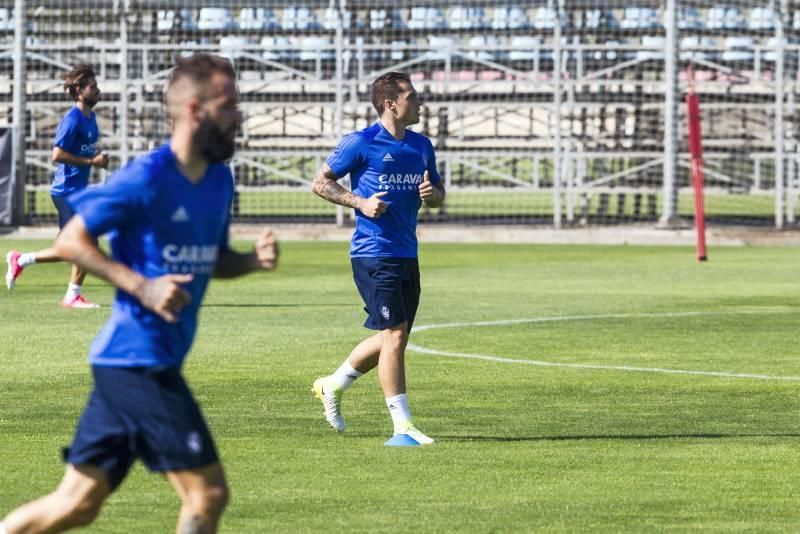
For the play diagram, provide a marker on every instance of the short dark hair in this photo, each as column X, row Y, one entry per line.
column 77, row 79
column 199, row 68
column 386, row 87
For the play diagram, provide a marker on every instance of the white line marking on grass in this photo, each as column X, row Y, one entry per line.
column 590, row 317
column 626, row 368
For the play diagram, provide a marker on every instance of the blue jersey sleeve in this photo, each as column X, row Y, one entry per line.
column 66, row 133
column 430, row 164
column 348, row 156
column 116, row 203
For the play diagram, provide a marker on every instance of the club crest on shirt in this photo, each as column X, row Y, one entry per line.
column 194, row 443
column 385, row 312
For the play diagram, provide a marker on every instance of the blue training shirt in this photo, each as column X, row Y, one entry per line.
column 378, row 162
column 162, row 223
column 77, row 134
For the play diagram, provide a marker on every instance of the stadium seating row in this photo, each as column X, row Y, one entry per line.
column 236, row 34
column 469, row 18
column 487, row 47
column 508, row 17
column 518, row 48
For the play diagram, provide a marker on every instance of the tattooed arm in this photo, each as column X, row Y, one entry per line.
column 325, row 186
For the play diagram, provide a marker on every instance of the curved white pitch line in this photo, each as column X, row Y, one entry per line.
column 590, row 317
column 626, row 368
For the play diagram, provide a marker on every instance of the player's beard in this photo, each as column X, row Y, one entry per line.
column 214, row 143
column 91, row 102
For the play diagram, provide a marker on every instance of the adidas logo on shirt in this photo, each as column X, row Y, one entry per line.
column 180, row 215
column 388, row 157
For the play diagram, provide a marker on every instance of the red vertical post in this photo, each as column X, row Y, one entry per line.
column 696, row 151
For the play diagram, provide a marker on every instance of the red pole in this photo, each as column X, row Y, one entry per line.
column 696, row 150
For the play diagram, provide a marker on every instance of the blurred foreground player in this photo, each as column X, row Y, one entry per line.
column 169, row 211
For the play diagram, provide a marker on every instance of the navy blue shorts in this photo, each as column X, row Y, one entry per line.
column 390, row 290
column 65, row 211
column 145, row 413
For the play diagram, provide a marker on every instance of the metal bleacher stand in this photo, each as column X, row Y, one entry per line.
column 607, row 126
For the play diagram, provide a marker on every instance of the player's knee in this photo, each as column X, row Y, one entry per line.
column 81, row 510
column 210, row 500
column 396, row 336
column 398, row 332
column 218, row 497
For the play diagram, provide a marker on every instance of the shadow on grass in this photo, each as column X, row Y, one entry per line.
column 296, row 305
column 631, row 437
column 22, row 286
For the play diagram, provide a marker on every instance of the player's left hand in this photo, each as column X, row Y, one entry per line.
column 165, row 295
column 427, row 191
column 100, row 159
column 266, row 250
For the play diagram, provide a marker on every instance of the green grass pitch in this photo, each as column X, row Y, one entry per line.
column 519, row 447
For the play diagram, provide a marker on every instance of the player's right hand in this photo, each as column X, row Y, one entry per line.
column 266, row 250
column 166, row 296
column 373, row 207
column 100, row 160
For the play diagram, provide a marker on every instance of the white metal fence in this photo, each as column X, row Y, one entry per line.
column 546, row 112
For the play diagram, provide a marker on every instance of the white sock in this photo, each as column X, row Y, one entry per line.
column 344, row 376
column 398, row 409
column 25, row 259
column 73, row 291
column 2, row 529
